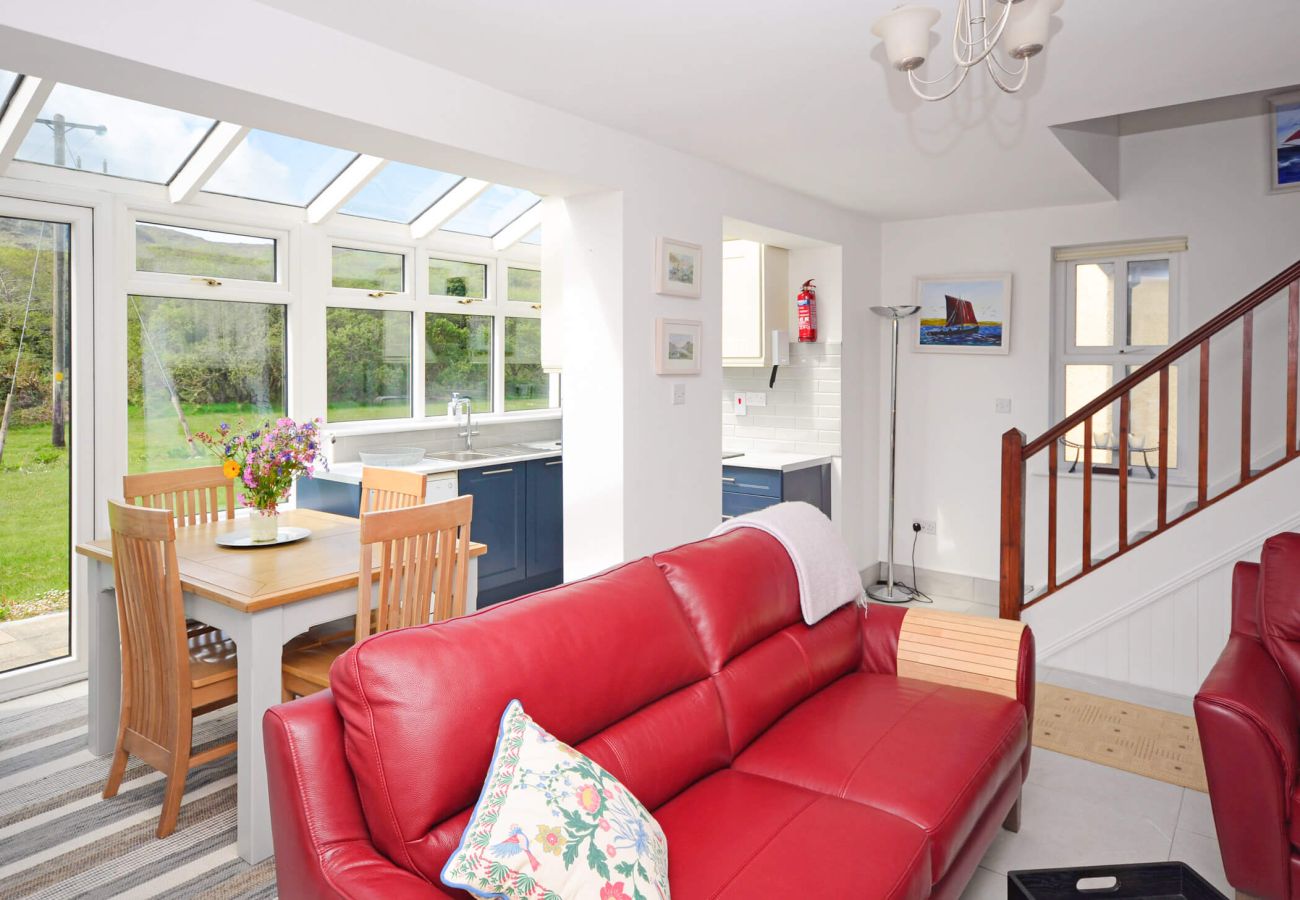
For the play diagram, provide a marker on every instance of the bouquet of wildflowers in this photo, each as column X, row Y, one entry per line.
column 266, row 459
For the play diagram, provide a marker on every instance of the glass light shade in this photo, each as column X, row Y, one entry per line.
column 906, row 33
column 1027, row 29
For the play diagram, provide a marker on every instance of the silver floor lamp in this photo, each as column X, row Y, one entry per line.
column 888, row 591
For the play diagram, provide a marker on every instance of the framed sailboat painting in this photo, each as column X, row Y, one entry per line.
column 1284, row 128
column 964, row 314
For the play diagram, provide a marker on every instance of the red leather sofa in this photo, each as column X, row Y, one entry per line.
column 1250, row 731
column 782, row 760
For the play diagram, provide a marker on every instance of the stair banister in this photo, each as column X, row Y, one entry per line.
column 1016, row 452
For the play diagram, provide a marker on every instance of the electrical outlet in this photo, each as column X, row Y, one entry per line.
column 927, row 527
column 756, row 398
column 679, row 394
column 1002, row 406
column 740, row 406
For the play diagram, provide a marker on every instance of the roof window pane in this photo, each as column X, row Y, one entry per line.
column 399, row 193
column 493, row 210
column 278, row 169
column 94, row 132
column 533, row 237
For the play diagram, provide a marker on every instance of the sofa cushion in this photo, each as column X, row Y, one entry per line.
column 421, row 706
column 740, row 592
column 927, row 753
column 550, row 823
column 735, row 836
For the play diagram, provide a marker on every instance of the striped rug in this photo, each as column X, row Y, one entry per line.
column 59, row 838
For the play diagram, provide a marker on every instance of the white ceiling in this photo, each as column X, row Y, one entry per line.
column 799, row 93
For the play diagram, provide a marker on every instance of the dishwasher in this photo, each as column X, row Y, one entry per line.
column 441, row 486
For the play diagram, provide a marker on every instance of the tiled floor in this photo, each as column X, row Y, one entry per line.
column 1078, row 813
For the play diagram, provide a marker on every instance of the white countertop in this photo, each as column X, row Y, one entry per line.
column 777, row 462
column 350, row 472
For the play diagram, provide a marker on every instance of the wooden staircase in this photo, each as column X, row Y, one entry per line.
column 1017, row 453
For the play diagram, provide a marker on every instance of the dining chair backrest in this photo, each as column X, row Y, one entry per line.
column 192, row 495
column 384, row 489
column 151, row 622
column 423, row 564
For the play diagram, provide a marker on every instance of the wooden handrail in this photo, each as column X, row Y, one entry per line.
column 1016, row 451
column 1166, row 358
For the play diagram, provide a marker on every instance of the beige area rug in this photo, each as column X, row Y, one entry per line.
column 1138, row 739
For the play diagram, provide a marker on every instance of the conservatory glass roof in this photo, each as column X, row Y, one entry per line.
column 94, row 132
column 399, row 193
column 533, row 237
column 492, row 210
column 98, row 133
column 278, row 169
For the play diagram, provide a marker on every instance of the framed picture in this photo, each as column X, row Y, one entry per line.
column 1284, row 142
column 678, row 268
column 677, row 346
column 964, row 314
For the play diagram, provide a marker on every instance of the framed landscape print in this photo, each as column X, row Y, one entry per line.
column 678, row 268
column 1284, row 143
column 964, row 314
column 677, row 346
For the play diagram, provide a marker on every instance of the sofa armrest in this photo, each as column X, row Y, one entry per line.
column 968, row 651
column 1247, row 722
column 322, row 844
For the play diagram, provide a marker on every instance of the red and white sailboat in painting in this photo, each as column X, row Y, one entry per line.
column 961, row 316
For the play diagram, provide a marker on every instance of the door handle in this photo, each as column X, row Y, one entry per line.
column 761, row 487
column 726, row 480
column 497, row 471
column 555, row 462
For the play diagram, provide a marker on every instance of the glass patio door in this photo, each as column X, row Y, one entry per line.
column 44, row 292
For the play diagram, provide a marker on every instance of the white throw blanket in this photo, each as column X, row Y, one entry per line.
column 827, row 577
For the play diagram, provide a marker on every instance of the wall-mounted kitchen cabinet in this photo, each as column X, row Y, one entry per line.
column 755, row 284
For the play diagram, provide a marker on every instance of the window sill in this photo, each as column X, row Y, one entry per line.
column 433, row 423
column 1136, row 477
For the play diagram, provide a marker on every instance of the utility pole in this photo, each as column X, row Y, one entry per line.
column 60, row 326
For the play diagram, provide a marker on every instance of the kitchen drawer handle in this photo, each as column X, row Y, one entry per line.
column 761, row 487
column 555, row 462
column 727, row 480
column 726, row 517
column 496, row 471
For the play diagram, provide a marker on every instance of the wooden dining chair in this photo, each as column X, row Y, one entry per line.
column 193, row 496
column 168, row 675
column 423, row 557
column 381, row 489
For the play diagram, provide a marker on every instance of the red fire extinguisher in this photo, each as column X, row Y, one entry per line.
column 806, row 303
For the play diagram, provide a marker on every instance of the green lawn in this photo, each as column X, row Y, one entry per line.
column 34, row 531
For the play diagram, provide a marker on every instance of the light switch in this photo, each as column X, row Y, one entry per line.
column 679, row 394
column 1002, row 406
column 756, row 398
column 741, row 406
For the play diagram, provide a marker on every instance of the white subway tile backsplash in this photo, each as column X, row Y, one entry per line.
column 802, row 413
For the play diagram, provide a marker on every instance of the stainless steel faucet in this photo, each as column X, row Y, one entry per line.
column 462, row 402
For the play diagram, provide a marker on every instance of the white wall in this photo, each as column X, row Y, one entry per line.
column 1207, row 182
column 650, row 470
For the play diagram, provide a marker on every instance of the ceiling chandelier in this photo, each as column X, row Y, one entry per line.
column 1021, row 27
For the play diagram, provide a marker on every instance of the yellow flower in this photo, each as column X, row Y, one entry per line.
column 551, row 839
column 230, row 469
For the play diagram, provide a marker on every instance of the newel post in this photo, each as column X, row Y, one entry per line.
column 1012, row 573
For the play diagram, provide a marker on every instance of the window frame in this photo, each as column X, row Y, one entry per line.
column 347, row 295
column 1119, row 355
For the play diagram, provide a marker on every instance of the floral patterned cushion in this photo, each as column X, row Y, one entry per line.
column 552, row 825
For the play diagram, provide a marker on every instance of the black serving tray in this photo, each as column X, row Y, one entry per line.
column 1144, row 881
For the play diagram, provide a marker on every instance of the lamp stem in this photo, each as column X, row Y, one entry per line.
column 893, row 433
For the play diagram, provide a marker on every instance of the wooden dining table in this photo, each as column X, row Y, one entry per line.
column 261, row 597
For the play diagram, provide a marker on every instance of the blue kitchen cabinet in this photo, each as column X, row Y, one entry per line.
column 545, row 518
column 746, row 490
column 500, row 499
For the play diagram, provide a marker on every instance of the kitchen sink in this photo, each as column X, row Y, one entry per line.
column 462, row 455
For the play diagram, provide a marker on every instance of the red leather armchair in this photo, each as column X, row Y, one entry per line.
column 1246, row 715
